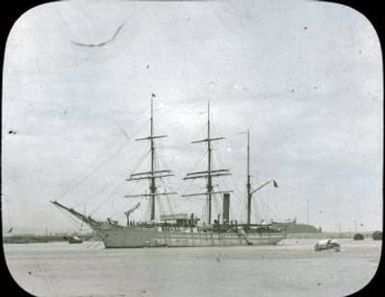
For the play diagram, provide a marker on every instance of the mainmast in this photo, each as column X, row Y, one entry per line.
column 210, row 173
column 152, row 178
column 153, row 174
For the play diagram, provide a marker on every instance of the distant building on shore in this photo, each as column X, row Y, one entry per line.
column 294, row 227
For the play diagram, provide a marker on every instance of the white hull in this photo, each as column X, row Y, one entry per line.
column 123, row 237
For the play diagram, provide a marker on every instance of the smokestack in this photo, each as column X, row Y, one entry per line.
column 226, row 208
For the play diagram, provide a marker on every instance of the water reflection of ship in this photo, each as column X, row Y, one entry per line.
column 184, row 230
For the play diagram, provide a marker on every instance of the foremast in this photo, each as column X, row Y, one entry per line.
column 210, row 172
column 153, row 174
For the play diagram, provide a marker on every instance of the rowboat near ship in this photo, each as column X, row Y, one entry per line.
column 184, row 229
column 73, row 239
column 327, row 244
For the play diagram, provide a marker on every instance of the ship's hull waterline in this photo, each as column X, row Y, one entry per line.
column 147, row 237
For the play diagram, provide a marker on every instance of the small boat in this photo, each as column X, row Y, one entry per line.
column 327, row 244
column 73, row 239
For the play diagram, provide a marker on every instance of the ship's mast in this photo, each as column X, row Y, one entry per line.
column 210, row 173
column 152, row 178
column 248, row 185
column 153, row 174
column 209, row 185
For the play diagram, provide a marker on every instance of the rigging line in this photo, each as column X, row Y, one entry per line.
column 264, row 212
column 215, row 162
column 204, row 211
column 278, row 209
column 69, row 218
column 122, row 209
column 162, row 182
column 236, row 186
column 84, row 212
column 168, row 202
column 138, row 163
column 266, row 205
column 241, row 202
column 160, row 209
column 107, row 198
column 169, row 205
column 199, row 162
column 93, row 196
column 166, row 165
column 156, row 161
column 120, row 183
column 258, row 210
column 200, row 130
column 139, row 127
column 147, row 211
column 89, row 174
column 160, row 147
column 218, row 157
column 272, row 210
column 240, row 211
column 215, row 202
column 195, row 183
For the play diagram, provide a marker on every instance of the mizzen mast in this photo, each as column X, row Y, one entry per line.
column 248, row 183
column 152, row 175
column 210, row 172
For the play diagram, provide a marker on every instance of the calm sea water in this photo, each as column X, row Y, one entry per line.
column 291, row 268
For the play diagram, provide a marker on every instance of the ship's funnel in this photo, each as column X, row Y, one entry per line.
column 226, row 208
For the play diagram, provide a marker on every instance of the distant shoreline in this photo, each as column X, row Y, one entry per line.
column 336, row 235
column 31, row 238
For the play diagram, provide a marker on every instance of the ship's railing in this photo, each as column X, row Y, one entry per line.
column 261, row 230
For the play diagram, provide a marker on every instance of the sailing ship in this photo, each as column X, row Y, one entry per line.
column 183, row 229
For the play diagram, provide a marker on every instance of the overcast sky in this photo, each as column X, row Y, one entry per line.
column 305, row 78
